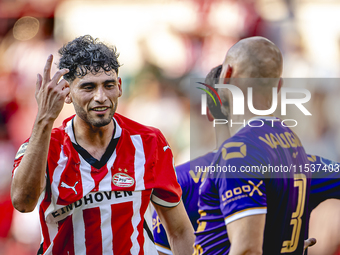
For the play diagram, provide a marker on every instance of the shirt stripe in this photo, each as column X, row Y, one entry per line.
column 121, row 227
column 245, row 213
column 64, row 243
column 93, row 235
column 118, row 131
column 162, row 202
column 55, row 183
column 78, row 232
column 149, row 246
column 139, row 162
column 69, row 131
column 163, row 249
column 106, row 182
column 52, row 230
column 105, row 214
column 136, row 219
column 85, row 171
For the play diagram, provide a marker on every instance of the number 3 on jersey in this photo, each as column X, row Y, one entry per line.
column 290, row 245
column 201, row 227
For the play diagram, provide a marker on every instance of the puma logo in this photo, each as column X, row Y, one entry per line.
column 166, row 147
column 64, row 185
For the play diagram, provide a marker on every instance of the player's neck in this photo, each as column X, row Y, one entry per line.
column 240, row 121
column 93, row 139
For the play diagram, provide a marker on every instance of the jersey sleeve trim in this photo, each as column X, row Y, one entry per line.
column 161, row 202
column 245, row 213
column 14, row 171
column 21, row 151
column 163, row 249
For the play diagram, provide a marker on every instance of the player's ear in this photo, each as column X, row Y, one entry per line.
column 68, row 98
column 209, row 115
column 120, row 86
column 279, row 85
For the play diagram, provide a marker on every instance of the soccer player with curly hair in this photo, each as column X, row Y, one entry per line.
column 93, row 178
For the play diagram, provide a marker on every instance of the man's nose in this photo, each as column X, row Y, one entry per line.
column 100, row 95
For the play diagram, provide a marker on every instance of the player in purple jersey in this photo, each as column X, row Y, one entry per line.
column 321, row 189
column 245, row 212
column 190, row 180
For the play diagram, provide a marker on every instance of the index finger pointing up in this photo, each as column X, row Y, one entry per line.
column 47, row 70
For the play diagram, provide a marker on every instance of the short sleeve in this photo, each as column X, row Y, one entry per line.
column 19, row 156
column 241, row 193
column 242, row 197
column 167, row 192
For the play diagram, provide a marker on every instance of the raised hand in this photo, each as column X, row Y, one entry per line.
column 51, row 93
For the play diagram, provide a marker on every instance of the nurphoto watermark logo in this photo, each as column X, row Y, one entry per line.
column 238, row 103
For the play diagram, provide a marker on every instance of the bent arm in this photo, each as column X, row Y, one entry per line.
column 29, row 178
column 178, row 228
column 246, row 235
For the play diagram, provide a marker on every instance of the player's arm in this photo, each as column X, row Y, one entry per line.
column 29, row 176
column 159, row 235
column 246, row 235
column 178, row 227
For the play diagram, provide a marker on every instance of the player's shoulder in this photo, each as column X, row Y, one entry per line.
column 241, row 142
column 266, row 135
column 59, row 134
column 239, row 151
column 134, row 127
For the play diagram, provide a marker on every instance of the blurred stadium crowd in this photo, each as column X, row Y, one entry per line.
column 162, row 44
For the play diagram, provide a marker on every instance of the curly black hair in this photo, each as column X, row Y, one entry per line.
column 86, row 54
column 212, row 79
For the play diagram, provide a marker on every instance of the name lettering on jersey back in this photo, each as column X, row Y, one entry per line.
column 93, row 198
column 285, row 140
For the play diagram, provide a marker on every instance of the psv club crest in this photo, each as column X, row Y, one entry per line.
column 122, row 180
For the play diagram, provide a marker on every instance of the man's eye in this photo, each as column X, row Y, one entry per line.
column 110, row 85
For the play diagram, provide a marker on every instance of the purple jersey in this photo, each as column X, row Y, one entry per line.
column 326, row 180
column 260, row 170
column 189, row 177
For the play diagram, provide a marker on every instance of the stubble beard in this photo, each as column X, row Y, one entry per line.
column 98, row 122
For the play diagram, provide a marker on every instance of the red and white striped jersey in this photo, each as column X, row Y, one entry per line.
column 100, row 207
